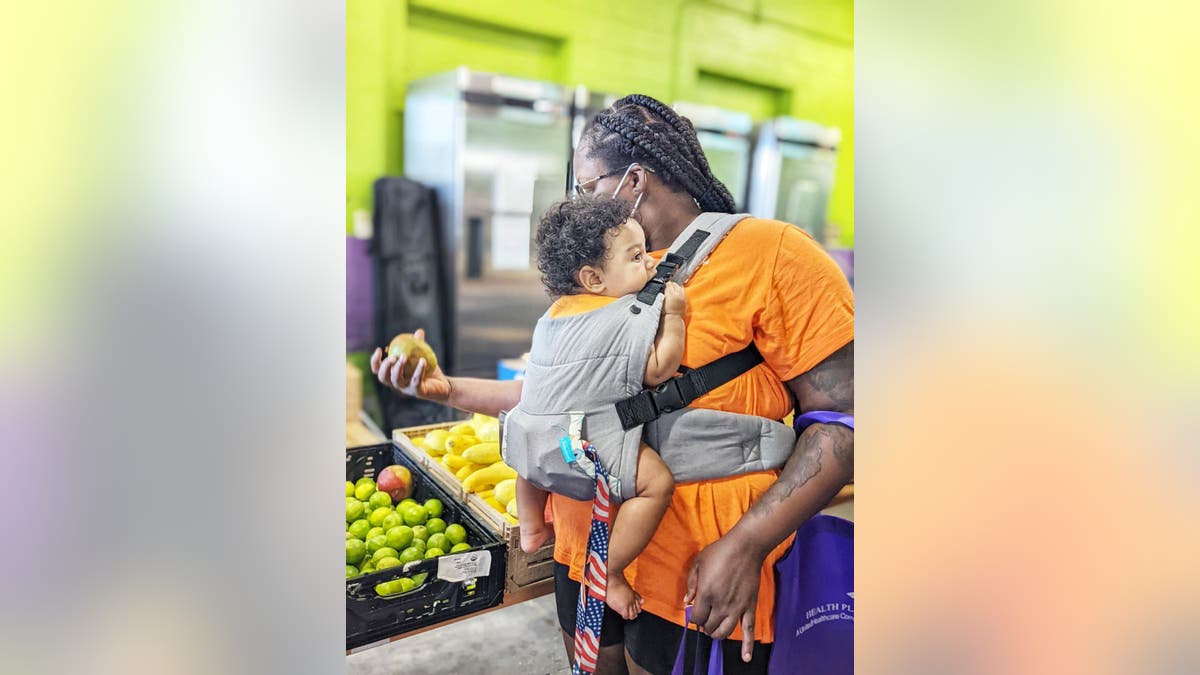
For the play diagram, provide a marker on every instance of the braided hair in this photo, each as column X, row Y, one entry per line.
column 642, row 129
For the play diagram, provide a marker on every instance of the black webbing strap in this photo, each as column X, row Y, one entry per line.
column 679, row 392
column 669, row 265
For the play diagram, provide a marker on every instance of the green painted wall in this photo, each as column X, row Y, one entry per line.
column 766, row 57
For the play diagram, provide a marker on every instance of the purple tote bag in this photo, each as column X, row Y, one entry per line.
column 814, row 605
column 715, row 664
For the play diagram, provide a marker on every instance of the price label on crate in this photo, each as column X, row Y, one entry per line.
column 463, row 566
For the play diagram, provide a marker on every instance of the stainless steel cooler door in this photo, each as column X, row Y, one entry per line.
column 729, row 159
column 513, row 167
column 805, row 179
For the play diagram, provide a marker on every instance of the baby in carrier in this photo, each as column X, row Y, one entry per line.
column 591, row 251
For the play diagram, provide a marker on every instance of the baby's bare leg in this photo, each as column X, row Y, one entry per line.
column 637, row 519
column 531, row 512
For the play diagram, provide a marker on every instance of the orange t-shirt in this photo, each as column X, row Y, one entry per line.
column 769, row 282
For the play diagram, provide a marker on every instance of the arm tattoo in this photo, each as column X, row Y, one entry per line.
column 807, row 464
column 830, row 384
column 844, row 452
column 787, row 503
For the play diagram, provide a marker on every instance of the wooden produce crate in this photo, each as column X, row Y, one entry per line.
column 526, row 571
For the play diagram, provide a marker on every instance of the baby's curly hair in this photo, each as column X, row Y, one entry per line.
column 574, row 233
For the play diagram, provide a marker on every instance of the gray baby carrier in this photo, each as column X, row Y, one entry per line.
column 584, row 381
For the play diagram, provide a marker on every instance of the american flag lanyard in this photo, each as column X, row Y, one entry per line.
column 589, row 614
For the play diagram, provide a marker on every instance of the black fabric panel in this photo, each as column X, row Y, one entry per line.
column 412, row 286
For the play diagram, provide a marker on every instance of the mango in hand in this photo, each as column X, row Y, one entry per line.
column 413, row 350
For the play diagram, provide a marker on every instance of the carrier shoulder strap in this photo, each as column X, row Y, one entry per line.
column 679, row 392
column 687, row 253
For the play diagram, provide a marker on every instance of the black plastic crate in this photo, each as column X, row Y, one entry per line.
column 370, row 617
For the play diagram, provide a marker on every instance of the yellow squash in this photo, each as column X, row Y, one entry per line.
column 487, row 477
column 462, row 429
column 454, row 462
column 468, row 469
column 436, row 438
column 483, row 453
column 506, row 490
column 455, row 444
column 489, row 432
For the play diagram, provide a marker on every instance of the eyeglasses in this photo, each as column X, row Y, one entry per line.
column 579, row 191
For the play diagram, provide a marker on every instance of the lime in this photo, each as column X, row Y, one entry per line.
column 365, row 480
column 433, row 553
column 355, row 550
column 389, row 587
column 349, row 489
column 418, row 544
column 375, row 543
column 359, row 528
column 379, row 514
column 410, row 554
column 387, row 562
column 365, row 490
column 456, row 533
column 350, row 536
column 435, row 525
column 421, row 532
column 391, row 520
column 406, row 584
column 434, row 507
column 385, row 552
column 379, row 499
column 375, row 532
column 404, row 504
column 419, row 579
column 354, row 509
column 415, row 515
column 351, row 571
column 367, row 567
column 438, row 541
column 400, row 537
column 459, row 548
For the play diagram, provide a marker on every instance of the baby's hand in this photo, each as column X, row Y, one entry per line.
column 674, row 301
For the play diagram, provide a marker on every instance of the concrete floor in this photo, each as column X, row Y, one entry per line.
column 520, row 640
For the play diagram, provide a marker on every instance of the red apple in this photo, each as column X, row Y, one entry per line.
column 396, row 480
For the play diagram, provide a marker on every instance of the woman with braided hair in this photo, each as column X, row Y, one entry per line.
column 769, row 283
column 766, row 283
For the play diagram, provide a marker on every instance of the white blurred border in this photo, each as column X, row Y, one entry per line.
column 173, row 391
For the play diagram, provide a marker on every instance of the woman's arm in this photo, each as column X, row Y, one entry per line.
column 488, row 397
column 822, row 463
column 724, row 577
column 472, row 394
